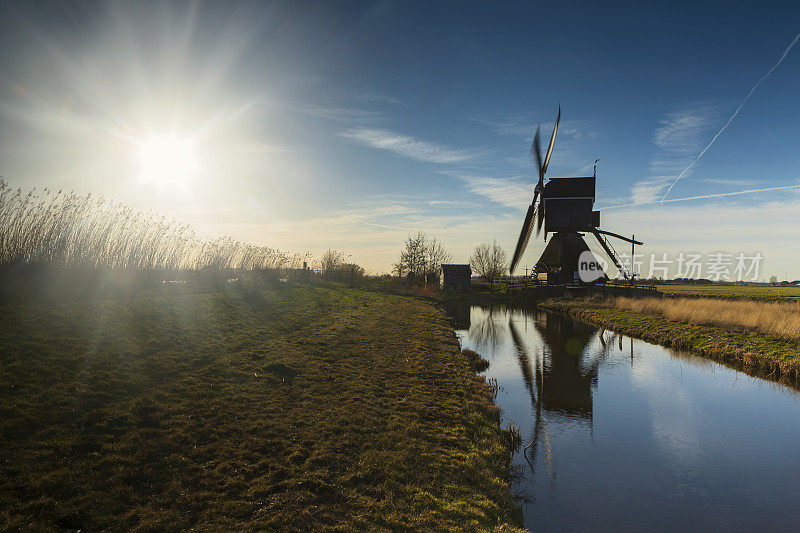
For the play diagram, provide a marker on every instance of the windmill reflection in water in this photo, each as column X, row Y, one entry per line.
column 558, row 371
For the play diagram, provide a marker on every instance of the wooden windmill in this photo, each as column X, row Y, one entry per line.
column 563, row 207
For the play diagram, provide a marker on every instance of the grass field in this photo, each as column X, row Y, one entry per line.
column 755, row 352
column 290, row 407
column 744, row 292
column 778, row 318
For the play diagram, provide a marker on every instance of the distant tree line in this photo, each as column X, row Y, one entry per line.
column 44, row 228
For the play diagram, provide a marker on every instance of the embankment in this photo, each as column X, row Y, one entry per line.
column 753, row 352
column 286, row 407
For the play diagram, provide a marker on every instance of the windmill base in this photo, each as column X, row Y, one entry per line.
column 561, row 255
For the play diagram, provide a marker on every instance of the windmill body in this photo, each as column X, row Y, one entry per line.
column 568, row 210
column 563, row 207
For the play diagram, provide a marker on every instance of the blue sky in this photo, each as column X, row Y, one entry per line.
column 349, row 125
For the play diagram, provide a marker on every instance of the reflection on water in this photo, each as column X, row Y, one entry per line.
column 622, row 434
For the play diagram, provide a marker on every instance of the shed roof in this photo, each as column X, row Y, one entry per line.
column 457, row 270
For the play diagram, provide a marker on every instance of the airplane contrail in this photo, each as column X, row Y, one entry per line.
column 746, row 98
column 717, row 195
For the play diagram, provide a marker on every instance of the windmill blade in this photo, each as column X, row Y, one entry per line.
column 552, row 143
column 536, row 153
column 539, row 217
column 523, row 359
column 524, row 236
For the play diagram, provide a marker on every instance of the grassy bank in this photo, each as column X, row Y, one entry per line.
column 288, row 407
column 754, row 352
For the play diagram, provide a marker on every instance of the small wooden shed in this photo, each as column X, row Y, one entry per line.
column 457, row 278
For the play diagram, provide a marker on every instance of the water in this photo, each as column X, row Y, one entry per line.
column 633, row 436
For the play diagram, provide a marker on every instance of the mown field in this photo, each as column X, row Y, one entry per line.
column 744, row 292
column 288, row 407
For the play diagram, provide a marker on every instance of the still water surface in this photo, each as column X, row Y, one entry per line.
column 627, row 435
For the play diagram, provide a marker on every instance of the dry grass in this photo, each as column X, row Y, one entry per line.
column 781, row 319
column 47, row 227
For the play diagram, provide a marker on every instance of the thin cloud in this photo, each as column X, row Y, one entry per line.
column 405, row 145
column 450, row 203
column 726, row 181
column 647, row 191
column 680, row 131
column 677, row 137
column 348, row 115
column 510, row 192
column 370, row 96
column 704, row 196
column 724, row 127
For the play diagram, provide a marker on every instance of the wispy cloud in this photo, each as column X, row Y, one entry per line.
column 707, row 196
column 450, row 203
column 726, row 181
column 405, row 145
column 525, row 126
column 741, row 105
column 349, row 115
column 680, row 132
column 647, row 190
column 370, row 96
column 678, row 136
column 513, row 192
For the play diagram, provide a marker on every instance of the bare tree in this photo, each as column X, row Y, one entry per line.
column 331, row 261
column 435, row 255
column 421, row 256
column 489, row 260
column 412, row 256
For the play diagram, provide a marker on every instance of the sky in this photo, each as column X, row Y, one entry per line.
column 350, row 125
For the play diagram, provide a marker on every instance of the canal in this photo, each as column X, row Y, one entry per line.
column 626, row 435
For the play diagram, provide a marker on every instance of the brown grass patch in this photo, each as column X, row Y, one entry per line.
column 781, row 319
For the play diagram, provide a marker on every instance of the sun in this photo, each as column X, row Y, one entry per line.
column 169, row 161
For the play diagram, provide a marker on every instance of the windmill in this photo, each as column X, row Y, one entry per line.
column 563, row 207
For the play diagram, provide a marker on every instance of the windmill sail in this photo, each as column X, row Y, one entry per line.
column 535, row 214
column 552, row 143
column 524, row 236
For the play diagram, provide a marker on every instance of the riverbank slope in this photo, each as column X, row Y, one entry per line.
column 289, row 406
column 756, row 353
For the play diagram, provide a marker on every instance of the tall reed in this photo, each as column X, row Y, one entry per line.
column 90, row 231
column 781, row 319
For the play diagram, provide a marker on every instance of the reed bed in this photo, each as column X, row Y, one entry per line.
column 47, row 227
column 781, row 319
